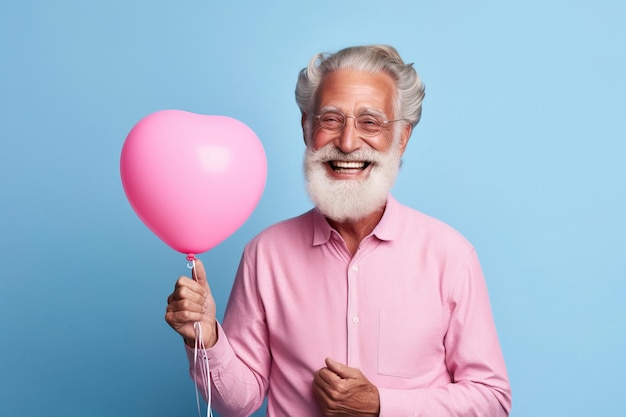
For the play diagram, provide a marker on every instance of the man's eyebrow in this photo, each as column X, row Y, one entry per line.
column 371, row 111
column 329, row 108
column 361, row 110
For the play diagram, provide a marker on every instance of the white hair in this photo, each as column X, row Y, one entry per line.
column 370, row 58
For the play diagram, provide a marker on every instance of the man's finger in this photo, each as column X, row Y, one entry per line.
column 187, row 288
column 325, row 378
column 343, row 371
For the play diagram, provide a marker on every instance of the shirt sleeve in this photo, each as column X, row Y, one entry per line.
column 480, row 385
column 239, row 365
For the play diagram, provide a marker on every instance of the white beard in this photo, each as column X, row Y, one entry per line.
column 351, row 200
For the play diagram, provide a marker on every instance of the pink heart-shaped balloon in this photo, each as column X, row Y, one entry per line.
column 192, row 179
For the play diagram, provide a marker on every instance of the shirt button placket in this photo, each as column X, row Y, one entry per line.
column 353, row 317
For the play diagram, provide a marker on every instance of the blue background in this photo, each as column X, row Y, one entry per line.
column 521, row 148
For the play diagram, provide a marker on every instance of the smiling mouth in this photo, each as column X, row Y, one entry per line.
column 348, row 166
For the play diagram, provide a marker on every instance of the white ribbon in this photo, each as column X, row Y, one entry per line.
column 201, row 363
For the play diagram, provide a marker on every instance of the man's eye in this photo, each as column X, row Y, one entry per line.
column 367, row 122
column 368, row 118
column 332, row 119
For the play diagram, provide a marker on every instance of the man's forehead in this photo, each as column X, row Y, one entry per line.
column 350, row 90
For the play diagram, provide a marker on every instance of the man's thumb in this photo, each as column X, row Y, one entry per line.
column 198, row 273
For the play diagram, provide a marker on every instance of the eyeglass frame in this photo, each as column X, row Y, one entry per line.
column 383, row 123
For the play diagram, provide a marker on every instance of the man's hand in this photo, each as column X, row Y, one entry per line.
column 192, row 302
column 344, row 391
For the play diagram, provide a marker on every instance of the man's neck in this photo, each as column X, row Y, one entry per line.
column 353, row 232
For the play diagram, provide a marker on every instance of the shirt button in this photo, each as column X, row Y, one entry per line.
column 355, row 268
column 355, row 319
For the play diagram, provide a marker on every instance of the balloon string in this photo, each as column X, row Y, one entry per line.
column 204, row 365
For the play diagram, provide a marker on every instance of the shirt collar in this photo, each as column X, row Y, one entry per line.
column 386, row 229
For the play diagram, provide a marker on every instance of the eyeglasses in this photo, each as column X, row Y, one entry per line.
column 367, row 124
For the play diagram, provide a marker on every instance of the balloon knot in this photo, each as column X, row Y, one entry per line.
column 191, row 257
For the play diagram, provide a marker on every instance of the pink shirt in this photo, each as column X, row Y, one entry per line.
column 410, row 310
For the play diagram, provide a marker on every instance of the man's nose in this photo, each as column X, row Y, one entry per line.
column 348, row 140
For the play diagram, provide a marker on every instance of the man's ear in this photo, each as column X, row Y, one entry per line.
column 303, row 124
column 405, row 135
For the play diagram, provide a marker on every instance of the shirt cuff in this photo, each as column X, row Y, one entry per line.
column 396, row 403
column 219, row 355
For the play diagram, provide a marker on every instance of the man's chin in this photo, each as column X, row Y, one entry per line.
column 348, row 217
column 348, row 204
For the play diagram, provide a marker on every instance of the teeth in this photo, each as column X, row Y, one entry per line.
column 349, row 164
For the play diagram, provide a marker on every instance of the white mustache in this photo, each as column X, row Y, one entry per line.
column 331, row 153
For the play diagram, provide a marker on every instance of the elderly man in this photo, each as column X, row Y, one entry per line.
column 361, row 306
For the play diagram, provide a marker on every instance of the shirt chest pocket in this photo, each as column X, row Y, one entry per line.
column 411, row 341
